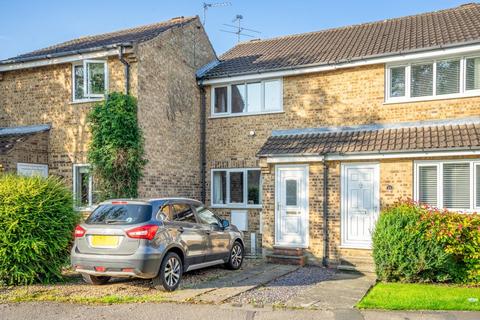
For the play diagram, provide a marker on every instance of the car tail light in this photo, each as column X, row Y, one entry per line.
column 119, row 202
column 143, row 232
column 127, row 269
column 79, row 232
column 100, row 269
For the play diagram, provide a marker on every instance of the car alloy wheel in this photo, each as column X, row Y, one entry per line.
column 237, row 255
column 172, row 271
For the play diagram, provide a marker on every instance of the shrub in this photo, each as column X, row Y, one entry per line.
column 402, row 252
column 36, row 227
column 116, row 150
column 459, row 235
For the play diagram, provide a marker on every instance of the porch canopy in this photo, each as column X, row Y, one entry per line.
column 12, row 136
column 443, row 136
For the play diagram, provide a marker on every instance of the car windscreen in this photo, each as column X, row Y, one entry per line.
column 120, row 214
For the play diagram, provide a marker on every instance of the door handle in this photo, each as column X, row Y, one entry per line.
column 180, row 230
column 208, row 231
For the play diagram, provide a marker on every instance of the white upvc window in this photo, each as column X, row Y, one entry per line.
column 442, row 78
column 236, row 188
column 247, row 98
column 90, row 80
column 83, row 194
column 449, row 184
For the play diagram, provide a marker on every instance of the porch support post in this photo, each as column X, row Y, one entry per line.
column 325, row 213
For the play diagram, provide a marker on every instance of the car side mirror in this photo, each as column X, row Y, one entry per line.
column 225, row 224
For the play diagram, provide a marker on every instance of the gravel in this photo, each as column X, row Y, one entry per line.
column 284, row 288
column 75, row 287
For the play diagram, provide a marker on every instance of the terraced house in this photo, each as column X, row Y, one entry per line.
column 309, row 136
column 299, row 140
column 45, row 97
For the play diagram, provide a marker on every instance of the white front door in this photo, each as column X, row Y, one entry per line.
column 360, row 204
column 291, row 205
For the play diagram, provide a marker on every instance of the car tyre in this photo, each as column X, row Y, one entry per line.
column 236, row 256
column 95, row 280
column 170, row 273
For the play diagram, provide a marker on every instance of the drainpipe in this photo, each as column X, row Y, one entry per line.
column 203, row 134
column 325, row 212
column 127, row 69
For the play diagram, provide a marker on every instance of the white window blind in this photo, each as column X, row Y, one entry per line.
column 448, row 77
column 427, row 188
column 397, row 82
column 421, row 80
column 473, row 74
column 456, row 185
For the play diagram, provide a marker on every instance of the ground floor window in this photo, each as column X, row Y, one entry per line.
column 236, row 187
column 82, row 186
column 448, row 184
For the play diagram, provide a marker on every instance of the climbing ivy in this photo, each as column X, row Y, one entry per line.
column 116, row 151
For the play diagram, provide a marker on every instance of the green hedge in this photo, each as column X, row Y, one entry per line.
column 417, row 243
column 36, row 228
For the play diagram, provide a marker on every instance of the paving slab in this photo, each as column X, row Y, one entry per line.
column 227, row 281
column 341, row 292
column 229, row 291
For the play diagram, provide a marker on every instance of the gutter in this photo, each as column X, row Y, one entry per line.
column 203, row 134
column 325, row 213
column 127, row 69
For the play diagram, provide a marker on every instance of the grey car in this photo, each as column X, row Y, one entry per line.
column 156, row 239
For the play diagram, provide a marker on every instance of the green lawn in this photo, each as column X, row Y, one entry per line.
column 406, row 296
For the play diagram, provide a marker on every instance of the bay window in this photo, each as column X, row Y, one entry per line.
column 448, row 184
column 90, row 78
column 236, row 187
column 441, row 78
column 247, row 98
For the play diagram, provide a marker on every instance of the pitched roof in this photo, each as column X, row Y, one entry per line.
column 102, row 41
column 421, row 32
column 461, row 134
column 9, row 137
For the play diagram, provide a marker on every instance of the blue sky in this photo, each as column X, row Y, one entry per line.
column 26, row 25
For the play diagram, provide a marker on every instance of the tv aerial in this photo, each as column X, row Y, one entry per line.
column 206, row 6
column 238, row 29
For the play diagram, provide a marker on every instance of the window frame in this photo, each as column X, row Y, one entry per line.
column 88, row 97
column 474, row 206
column 229, row 112
column 243, row 204
column 91, row 205
column 463, row 92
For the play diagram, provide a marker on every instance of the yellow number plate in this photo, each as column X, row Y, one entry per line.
column 105, row 241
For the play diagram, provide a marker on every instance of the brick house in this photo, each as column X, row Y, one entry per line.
column 45, row 96
column 309, row 136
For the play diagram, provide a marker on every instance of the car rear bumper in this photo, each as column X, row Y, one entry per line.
column 138, row 265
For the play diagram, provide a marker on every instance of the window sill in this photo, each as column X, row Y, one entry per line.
column 243, row 114
column 232, row 206
column 434, row 98
column 86, row 101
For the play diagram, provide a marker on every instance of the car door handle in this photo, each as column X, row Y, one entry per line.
column 208, row 231
column 180, row 229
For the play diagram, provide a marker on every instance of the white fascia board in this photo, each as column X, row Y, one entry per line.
column 59, row 60
column 402, row 155
column 376, row 156
column 290, row 159
column 431, row 54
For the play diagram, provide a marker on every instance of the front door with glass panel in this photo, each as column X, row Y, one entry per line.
column 291, row 209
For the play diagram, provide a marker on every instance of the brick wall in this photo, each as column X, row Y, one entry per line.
column 43, row 95
column 169, row 110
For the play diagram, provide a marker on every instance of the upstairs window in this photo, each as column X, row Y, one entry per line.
column 247, row 98
column 236, row 187
column 442, row 78
column 90, row 79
